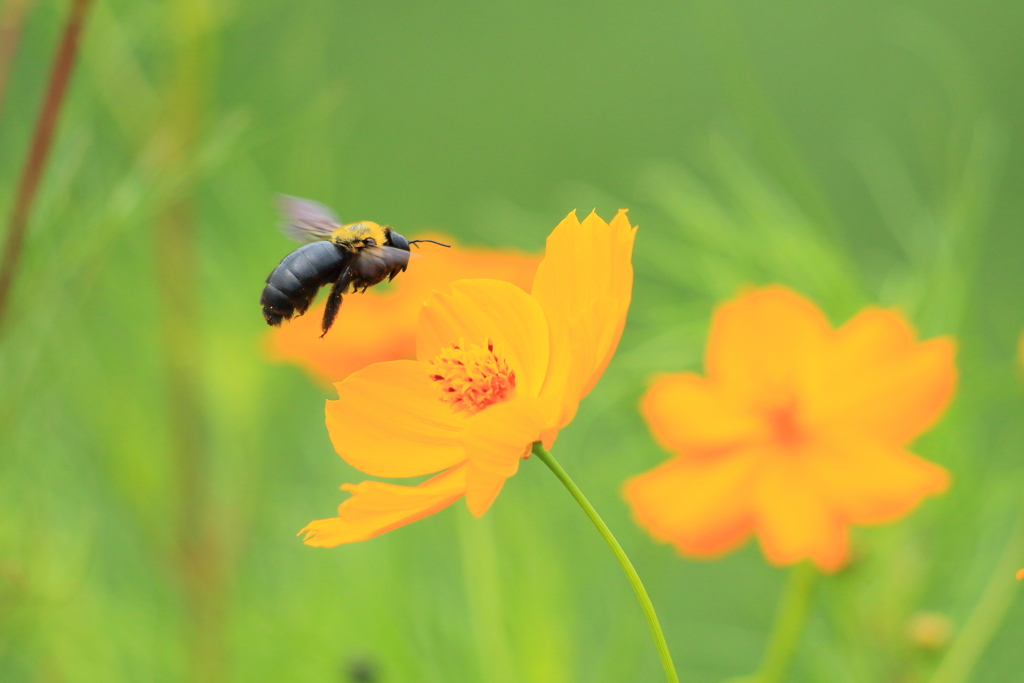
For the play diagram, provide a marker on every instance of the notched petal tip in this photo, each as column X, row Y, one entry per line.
column 621, row 222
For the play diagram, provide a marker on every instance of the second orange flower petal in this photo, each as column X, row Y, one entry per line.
column 869, row 483
column 793, row 520
column 701, row 505
column 882, row 380
column 689, row 412
column 764, row 343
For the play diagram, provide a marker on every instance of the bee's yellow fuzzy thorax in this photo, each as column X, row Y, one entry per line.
column 354, row 235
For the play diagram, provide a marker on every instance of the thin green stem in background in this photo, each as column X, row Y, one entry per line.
column 984, row 622
column 620, row 555
column 789, row 625
column 202, row 557
column 790, row 619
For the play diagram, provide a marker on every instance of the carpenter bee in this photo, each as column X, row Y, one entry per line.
column 351, row 257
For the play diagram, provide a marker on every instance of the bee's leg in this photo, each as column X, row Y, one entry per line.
column 334, row 299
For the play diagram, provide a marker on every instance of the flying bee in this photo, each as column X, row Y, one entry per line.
column 350, row 258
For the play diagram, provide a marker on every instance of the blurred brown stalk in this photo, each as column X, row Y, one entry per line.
column 45, row 127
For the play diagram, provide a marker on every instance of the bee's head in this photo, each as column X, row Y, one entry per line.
column 397, row 241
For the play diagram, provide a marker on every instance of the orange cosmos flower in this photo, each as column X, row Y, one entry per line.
column 380, row 325
column 796, row 431
column 497, row 369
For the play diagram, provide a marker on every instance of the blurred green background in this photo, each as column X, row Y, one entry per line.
column 154, row 468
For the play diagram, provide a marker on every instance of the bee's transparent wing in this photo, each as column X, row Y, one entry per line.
column 305, row 221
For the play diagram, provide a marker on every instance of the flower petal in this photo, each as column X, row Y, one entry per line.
column 689, row 413
column 584, row 285
column 892, row 387
column 867, row 483
column 701, row 505
column 478, row 311
column 495, row 440
column 610, row 316
column 376, row 507
column 792, row 520
column 765, row 344
column 485, row 487
column 389, row 422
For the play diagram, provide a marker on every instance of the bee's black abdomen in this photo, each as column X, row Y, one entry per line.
column 293, row 285
column 306, row 262
column 274, row 303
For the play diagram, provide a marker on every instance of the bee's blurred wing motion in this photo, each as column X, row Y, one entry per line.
column 306, row 221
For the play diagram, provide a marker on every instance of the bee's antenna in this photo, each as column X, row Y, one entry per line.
column 432, row 242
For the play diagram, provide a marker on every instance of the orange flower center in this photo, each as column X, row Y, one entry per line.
column 785, row 426
column 472, row 377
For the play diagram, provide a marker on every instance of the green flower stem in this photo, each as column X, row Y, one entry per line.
column 620, row 555
column 789, row 625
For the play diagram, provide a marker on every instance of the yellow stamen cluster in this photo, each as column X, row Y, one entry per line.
column 472, row 377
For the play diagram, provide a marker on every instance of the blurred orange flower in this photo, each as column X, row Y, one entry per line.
column 796, row 431
column 381, row 324
column 498, row 369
